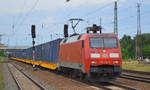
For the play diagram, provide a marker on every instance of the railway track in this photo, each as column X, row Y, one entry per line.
column 137, row 72
column 106, row 85
column 136, row 75
column 23, row 81
column 115, row 86
column 101, row 86
column 118, row 86
column 136, row 78
column 16, row 81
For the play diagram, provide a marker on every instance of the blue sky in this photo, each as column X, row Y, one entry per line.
column 17, row 16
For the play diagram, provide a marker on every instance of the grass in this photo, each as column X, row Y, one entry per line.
column 135, row 65
column 3, row 58
column 2, row 85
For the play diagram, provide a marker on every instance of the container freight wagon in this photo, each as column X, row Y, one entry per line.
column 46, row 55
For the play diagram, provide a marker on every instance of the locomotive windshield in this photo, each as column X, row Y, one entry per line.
column 97, row 42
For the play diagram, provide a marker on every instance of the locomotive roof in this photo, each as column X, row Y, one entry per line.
column 84, row 36
column 101, row 35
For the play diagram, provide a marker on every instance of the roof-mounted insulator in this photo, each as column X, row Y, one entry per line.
column 94, row 29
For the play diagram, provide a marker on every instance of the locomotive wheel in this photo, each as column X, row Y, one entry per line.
column 81, row 76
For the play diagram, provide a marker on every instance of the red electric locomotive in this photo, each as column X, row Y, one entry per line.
column 94, row 56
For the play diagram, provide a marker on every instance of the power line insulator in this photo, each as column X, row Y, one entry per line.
column 94, row 29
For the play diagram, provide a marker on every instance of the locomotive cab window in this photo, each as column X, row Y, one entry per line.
column 110, row 42
column 98, row 42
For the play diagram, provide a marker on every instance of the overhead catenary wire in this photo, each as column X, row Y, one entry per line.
column 127, row 9
column 132, row 16
column 28, row 13
column 93, row 17
column 86, row 16
column 92, row 12
column 20, row 20
column 71, row 12
column 89, row 12
column 122, row 20
column 101, row 8
column 21, row 9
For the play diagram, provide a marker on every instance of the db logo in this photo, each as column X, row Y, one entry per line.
column 105, row 55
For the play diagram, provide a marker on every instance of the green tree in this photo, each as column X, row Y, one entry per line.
column 127, row 46
column 2, row 54
column 145, row 45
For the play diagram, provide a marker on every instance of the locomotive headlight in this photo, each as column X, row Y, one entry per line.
column 95, row 55
column 93, row 62
column 115, row 61
column 114, row 55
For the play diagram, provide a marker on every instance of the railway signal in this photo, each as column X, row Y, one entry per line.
column 66, row 30
column 33, row 31
column 67, row 0
column 33, row 28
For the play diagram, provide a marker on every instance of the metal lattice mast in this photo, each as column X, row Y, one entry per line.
column 0, row 38
column 138, row 19
column 138, row 36
column 116, row 18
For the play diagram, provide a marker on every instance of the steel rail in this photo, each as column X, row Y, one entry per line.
column 40, row 86
column 136, row 72
column 16, row 81
column 136, row 78
column 123, row 86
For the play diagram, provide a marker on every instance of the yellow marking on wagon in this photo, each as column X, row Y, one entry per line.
column 48, row 65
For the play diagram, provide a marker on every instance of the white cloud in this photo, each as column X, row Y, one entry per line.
column 16, row 6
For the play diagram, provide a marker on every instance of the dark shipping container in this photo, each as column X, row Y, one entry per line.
column 48, row 52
